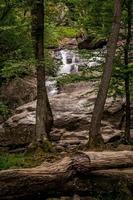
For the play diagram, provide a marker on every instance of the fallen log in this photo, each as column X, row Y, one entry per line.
column 69, row 175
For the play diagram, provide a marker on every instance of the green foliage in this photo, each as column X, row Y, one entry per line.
column 17, row 68
column 40, row 148
column 123, row 191
column 94, row 16
column 116, row 87
column 54, row 34
column 30, row 158
column 15, row 39
column 72, row 18
column 73, row 78
column 3, row 109
column 16, row 161
column 47, row 147
column 117, row 84
column 50, row 65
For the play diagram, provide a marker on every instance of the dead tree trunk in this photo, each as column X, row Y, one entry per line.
column 95, row 136
column 67, row 176
column 44, row 118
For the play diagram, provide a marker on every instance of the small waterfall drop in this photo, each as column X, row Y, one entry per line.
column 69, row 64
column 51, row 87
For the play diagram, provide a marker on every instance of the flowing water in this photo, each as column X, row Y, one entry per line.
column 72, row 62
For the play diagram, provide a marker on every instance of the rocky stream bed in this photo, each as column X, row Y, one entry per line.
column 72, row 110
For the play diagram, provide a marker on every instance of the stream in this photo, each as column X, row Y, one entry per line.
column 72, row 62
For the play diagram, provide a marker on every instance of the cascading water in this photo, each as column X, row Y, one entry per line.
column 69, row 62
column 72, row 62
column 51, row 87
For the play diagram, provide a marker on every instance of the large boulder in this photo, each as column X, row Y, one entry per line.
column 18, row 91
column 72, row 111
column 19, row 129
column 90, row 43
column 69, row 43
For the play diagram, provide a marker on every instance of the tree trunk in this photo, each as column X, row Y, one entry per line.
column 127, row 75
column 95, row 136
column 44, row 118
column 67, row 176
column 49, row 118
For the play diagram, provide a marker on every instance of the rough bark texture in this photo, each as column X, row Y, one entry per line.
column 127, row 75
column 95, row 136
column 44, row 119
column 68, row 176
column 49, row 117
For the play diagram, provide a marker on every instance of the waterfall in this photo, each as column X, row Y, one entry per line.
column 72, row 62
column 69, row 64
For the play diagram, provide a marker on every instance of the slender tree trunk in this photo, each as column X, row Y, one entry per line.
column 127, row 76
column 49, row 117
column 43, row 106
column 95, row 136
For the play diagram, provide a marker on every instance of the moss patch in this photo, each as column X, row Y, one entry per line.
column 56, row 34
column 26, row 160
column 16, row 160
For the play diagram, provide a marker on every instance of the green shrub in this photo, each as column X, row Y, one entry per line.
column 55, row 34
column 18, row 160
column 73, row 78
column 17, row 68
column 3, row 109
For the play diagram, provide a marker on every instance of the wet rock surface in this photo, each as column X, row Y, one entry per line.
column 88, row 43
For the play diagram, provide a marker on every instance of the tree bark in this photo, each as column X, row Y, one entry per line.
column 127, row 75
column 71, row 174
column 95, row 136
column 44, row 118
column 49, row 118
